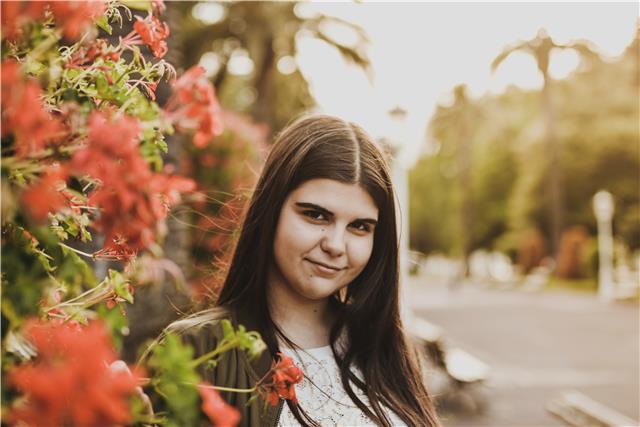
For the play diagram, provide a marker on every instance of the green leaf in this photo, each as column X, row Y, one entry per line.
column 103, row 23
column 25, row 274
column 227, row 329
column 251, row 399
column 74, row 270
column 120, row 286
column 175, row 380
column 35, row 68
column 80, row 317
column 116, row 321
column 124, row 292
column 72, row 228
column 162, row 145
column 103, row 87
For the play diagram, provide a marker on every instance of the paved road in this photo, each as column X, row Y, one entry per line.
column 538, row 345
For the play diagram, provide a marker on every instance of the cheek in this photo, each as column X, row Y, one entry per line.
column 359, row 253
column 295, row 236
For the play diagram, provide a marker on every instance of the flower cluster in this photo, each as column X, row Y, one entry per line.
column 16, row 14
column 83, row 152
column 31, row 131
column 133, row 200
column 153, row 33
column 193, row 106
column 88, row 55
column 47, row 195
column 284, row 376
column 70, row 382
column 73, row 17
column 149, row 31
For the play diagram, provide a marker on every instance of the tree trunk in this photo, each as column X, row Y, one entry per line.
column 554, row 172
column 263, row 105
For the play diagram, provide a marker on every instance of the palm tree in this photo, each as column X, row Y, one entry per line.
column 540, row 48
column 455, row 125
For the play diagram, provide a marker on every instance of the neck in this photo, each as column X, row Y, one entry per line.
column 305, row 322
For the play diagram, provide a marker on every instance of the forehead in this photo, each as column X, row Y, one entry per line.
column 340, row 198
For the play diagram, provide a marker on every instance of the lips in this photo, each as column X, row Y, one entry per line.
column 324, row 265
column 324, row 269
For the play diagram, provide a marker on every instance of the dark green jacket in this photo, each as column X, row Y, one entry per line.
column 234, row 368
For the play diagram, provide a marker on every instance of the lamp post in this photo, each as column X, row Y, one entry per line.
column 400, row 176
column 603, row 208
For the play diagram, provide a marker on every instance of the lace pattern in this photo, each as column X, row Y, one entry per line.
column 321, row 393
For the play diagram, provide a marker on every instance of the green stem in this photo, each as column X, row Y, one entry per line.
column 126, row 72
column 76, row 251
column 235, row 390
column 85, row 294
column 218, row 350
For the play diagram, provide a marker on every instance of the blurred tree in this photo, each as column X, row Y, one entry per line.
column 540, row 48
column 431, row 227
column 455, row 126
column 250, row 48
column 598, row 112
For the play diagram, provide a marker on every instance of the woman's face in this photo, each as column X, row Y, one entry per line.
column 324, row 238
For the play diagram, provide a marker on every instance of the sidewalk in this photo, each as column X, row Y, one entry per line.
column 538, row 345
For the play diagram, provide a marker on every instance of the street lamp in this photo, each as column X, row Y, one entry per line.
column 400, row 176
column 603, row 208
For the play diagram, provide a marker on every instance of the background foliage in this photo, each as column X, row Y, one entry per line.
column 597, row 127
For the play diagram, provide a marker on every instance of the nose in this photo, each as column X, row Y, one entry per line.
column 333, row 241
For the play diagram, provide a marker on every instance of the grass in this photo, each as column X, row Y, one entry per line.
column 589, row 285
column 584, row 286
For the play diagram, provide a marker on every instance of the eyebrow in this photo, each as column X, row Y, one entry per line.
column 329, row 213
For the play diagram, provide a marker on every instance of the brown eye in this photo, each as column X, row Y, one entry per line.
column 318, row 216
column 362, row 226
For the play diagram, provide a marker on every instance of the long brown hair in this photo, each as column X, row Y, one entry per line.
column 368, row 312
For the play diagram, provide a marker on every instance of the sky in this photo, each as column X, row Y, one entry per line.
column 420, row 51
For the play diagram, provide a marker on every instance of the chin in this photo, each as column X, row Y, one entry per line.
column 318, row 289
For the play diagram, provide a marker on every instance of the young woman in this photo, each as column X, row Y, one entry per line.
column 315, row 271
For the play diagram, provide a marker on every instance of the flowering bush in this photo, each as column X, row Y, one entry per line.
column 82, row 146
column 227, row 169
column 72, row 366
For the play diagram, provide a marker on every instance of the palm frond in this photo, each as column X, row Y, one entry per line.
column 520, row 46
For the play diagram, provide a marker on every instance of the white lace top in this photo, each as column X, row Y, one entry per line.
column 321, row 394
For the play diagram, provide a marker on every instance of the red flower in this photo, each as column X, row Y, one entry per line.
column 46, row 196
column 153, row 34
column 75, row 17
column 116, row 249
column 70, row 382
column 133, row 200
column 285, row 374
column 15, row 14
column 23, row 114
column 87, row 55
column 219, row 412
column 194, row 106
